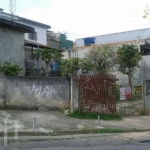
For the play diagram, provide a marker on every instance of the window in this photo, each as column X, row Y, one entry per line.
column 145, row 50
column 32, row 36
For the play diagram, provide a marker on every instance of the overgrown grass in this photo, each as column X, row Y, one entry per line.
column 136, row 97
column 94, row 115
column 108, row 130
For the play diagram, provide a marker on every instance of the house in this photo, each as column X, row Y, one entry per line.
column 58, row 40
column 39, row 36
column 53, row 39
column 12, row 42
column 32, row 41
column 140, row 37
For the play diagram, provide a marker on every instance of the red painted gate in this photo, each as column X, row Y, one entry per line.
column 97, row 93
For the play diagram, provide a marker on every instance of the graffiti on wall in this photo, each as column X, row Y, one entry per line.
column 41, row 91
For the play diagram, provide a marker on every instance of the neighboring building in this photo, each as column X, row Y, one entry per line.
column 58, row 40
column 65, row 44
column 53, row 39
column 140, row 37
column 39, row 36
column 29, row 42
column 12, row 42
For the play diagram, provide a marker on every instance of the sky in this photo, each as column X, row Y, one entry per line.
column 84, row 18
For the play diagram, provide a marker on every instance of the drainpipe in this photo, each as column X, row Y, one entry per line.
column 38, row 63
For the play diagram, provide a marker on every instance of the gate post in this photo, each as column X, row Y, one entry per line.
column 71, row 101
column 143, row 96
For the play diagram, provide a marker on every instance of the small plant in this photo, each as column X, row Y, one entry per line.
column 94, row 115
column 136, row 97
column 108, row 130
column 10, row 69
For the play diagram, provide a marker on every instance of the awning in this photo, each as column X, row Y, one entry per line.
column 38, row 45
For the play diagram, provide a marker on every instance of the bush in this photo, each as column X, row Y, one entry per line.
column 10, row 69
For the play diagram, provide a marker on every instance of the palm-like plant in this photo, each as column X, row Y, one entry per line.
column 47, row 55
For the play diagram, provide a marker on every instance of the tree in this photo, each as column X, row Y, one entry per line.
column 103, row 58
column 47, row 55
column 70, row 67
column 128, row 60
column 9, row 69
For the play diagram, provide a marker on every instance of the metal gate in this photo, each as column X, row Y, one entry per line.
column 97, row 93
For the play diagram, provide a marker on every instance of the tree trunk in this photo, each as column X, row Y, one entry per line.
column 46, row 70
column 130, row 82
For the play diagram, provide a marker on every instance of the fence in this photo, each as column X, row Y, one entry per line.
column 97, row 93
column 35, row 92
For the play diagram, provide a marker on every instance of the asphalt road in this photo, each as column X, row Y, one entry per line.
column 105, row 142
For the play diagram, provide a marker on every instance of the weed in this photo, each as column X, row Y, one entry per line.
column 94, row 115
column 136, row 97
column 108, row 130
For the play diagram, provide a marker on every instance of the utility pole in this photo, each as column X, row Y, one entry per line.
column 12, row 8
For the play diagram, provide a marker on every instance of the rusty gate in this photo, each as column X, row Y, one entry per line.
column 97, row 93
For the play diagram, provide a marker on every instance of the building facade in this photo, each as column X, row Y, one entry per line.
column 58, row 40
column 12, row 42
column 39, row 36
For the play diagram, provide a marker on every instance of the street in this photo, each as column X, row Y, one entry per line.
column 102, row 142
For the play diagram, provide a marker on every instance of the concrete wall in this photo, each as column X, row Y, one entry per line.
column 53, row 44
column 12, row 47
column 147, row 96
column 36, row 92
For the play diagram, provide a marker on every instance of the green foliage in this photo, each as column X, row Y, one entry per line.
column 128, row 60
column 94, row 115
column 136, row 97
column 109, row 130
column 103, row 58
column 47, row 54
column 72, row 65
column 10, row 69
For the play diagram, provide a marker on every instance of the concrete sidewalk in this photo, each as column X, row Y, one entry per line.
column 47, row 122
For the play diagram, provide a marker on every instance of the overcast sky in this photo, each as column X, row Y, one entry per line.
column 84, row 18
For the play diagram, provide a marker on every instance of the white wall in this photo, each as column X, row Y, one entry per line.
column 41, row 34
column 118, row 37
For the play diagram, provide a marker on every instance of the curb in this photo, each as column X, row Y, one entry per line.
column 62, row 135
column 34, row 133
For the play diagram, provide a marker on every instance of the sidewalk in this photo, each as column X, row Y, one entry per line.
column 47, row 122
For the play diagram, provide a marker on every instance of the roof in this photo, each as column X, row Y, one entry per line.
column 15, row 26
column 34, row 22
column 38, row 45
column 7, row 16
column 116, row 37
